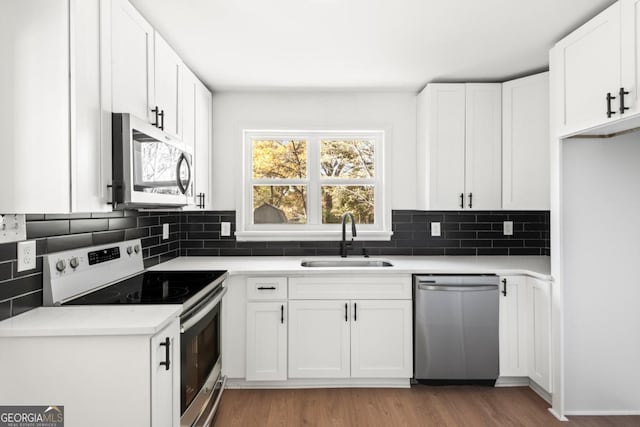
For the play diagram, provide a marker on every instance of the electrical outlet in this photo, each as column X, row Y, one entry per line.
column 435, row 229
column 508, row 228
column 165, row 231
column 225, row 229
column 27, row 255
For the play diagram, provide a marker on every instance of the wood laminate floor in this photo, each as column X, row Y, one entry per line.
column 418, row 406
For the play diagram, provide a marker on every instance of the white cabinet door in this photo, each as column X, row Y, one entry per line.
column 445, row 142
column 167, row 85
column 319, row 339
column 381, row 339
column 630, row 24
column 165, row 376
column 188, row 89
column 525, row 143
column 590, row 62
column 132, row 62
column 203, row 131
column 266, row 341
column 540, row 330
column 483, row 148
column 514, row 327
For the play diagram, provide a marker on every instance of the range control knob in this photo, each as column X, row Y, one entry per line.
column 74, row 263
column 136, row 248
column 129, row 250
column 61, row 265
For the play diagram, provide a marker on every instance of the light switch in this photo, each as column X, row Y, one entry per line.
column 435, row 229
column 508, row 228
column 225, row 229
column 165, row 231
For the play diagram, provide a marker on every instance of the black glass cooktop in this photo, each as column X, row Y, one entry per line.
column 152, row 287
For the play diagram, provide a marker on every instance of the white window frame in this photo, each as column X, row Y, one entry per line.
column 314, row 229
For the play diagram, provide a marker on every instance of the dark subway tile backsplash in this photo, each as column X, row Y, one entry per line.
column 462, row 233
column 22, row 291
column 198, row 234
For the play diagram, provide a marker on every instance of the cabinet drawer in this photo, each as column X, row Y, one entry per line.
column 348, row 287
column 266, row 288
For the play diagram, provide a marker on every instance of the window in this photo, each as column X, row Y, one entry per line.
column 297, row 185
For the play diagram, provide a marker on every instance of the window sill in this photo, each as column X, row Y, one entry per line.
column 303, row 236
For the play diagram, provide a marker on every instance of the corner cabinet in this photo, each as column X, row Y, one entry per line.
column 525, row 329
column 597, row 68
column 460, row 146
column 525, row 143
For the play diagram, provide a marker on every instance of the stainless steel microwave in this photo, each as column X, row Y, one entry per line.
column 150, row 167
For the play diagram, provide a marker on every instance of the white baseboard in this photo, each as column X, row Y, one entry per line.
column 557, row 415
column 603, row 413
column 540, row 391
column 240, row 383
column 512, row 382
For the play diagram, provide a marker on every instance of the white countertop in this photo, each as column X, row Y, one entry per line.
column 90, row 320
column 535, row 266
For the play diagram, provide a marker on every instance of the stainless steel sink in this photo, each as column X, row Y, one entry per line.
column 346, row 263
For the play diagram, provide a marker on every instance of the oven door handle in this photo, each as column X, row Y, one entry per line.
column 202, row 312
column 209, row 420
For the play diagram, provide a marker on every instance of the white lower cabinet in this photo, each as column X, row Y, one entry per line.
column 136, row 375
column 267, row 341
column 514, row 333
column 381, row 339
column 319, row 339
column 540, row 330
column 525, row 334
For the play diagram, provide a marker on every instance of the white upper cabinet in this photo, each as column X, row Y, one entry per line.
column 459, row 146
column 132, row 61
column 56, row 145
column 196, row 134
column 597, row 70
column 483, row 146
column 145, row 71
column 441, row 133
column 630, row 27
column 525, row 143
column 167, row 71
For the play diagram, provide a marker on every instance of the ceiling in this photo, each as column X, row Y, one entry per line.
column 362, row 44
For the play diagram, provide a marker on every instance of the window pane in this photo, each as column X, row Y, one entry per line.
column 338, row 199
column 279, row 159
column 279, row 204
column 347, row 158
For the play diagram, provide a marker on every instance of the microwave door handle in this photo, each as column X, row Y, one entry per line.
column 182, row 187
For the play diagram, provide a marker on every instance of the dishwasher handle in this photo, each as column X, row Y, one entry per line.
column 454, row 288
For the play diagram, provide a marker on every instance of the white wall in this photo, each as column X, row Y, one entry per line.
column 600, row 256
column 235, row 111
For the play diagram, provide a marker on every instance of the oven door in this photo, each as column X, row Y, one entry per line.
column 201, row 379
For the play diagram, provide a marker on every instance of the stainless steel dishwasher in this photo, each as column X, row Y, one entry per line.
column 456, row 329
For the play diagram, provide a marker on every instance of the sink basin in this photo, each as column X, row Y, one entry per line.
column 346, row 263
